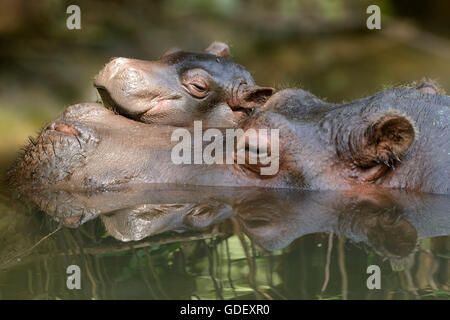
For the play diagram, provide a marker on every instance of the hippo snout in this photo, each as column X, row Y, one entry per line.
column 62, row 146
column 110, row 70
column 125, row 85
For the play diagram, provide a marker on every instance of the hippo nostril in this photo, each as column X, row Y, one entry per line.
column 65, row 128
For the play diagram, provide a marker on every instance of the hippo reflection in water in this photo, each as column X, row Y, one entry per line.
column 389, row 221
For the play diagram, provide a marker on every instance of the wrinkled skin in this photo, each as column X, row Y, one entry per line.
column 394, row 139
column 181, row 87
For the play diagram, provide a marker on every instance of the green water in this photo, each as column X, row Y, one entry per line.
column 162, row 242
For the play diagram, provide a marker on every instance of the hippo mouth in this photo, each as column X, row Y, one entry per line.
column 239, row 113
column 109, row 102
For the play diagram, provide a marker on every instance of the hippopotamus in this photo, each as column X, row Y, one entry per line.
column 396, row 138
column 181, row 87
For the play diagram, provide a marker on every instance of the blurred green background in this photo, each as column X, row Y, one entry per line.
column 319, row 45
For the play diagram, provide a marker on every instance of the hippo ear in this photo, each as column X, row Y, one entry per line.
column 254, row 96
column 386, row 140
column 219, row 49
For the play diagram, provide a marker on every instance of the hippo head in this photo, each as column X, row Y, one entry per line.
column 181, row 87
column 316, row 145
column 331, row 146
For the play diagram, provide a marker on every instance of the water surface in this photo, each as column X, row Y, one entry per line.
column 171, row 242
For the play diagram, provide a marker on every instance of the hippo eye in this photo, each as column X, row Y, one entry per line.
column 198, row 89
column 196, row 83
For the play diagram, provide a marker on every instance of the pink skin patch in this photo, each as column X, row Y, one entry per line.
column 67, row 129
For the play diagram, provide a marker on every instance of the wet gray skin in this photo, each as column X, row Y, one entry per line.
column 181, row 87
column 390, row 221
column 394, row 139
